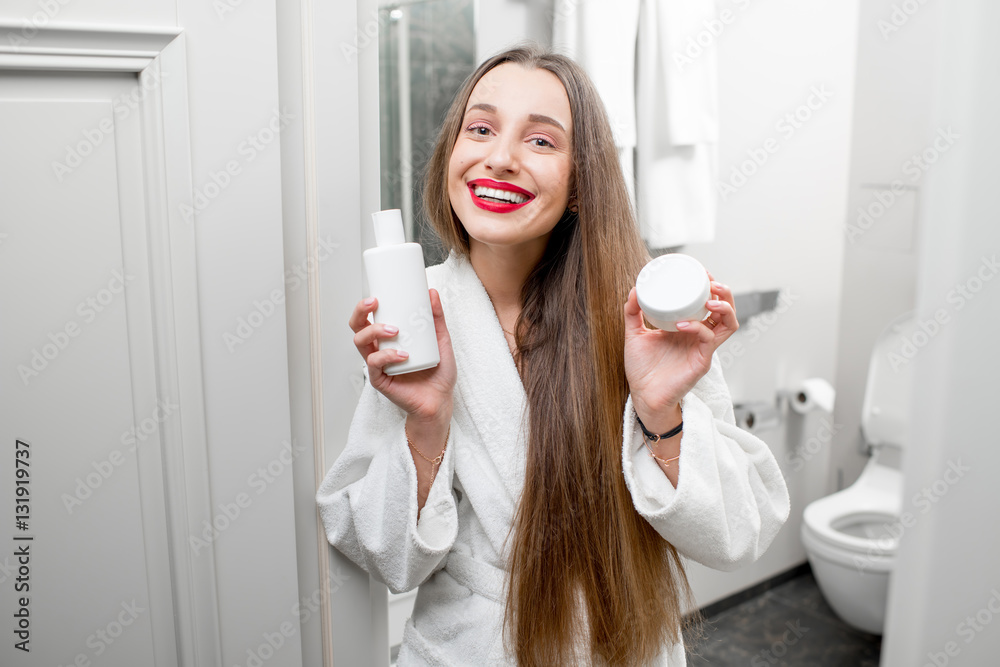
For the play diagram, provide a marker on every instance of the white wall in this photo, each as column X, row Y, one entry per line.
column 503, row 23
column 783, row 229
column 944, row 599
column 891, row 125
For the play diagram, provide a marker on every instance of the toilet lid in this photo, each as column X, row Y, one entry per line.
column 885, row 414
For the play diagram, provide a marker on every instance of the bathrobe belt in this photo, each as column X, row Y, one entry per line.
column 479, row 577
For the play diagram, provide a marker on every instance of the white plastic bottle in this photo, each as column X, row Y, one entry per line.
column 397, row 278
column 672, row 288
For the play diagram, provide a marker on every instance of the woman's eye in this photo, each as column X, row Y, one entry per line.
column 480, row 130
column 541, row 143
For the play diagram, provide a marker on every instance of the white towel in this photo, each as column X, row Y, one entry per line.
column 729, row 504
column 663, row 110
column 677, row 118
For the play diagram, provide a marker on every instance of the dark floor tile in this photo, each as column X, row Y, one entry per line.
column 788, row 625
column 803, row 593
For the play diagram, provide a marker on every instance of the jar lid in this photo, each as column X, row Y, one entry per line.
column 673, row 287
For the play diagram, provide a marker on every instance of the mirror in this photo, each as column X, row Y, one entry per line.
column 426, row 50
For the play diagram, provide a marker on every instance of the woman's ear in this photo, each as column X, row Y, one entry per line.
column 573, row 205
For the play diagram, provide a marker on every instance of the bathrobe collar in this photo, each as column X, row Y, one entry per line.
column 490, row 385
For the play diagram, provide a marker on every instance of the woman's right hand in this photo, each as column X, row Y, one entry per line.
column 425, row 395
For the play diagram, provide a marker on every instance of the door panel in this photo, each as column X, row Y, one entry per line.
column 78, row 377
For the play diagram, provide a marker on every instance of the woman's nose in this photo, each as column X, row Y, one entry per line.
column 503, row 157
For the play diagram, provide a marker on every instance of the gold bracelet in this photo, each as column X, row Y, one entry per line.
column 436, row 461
column 661, row 460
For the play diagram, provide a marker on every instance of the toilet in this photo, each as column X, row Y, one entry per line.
column 851, row 536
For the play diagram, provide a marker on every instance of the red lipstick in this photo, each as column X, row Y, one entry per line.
column 496, row 205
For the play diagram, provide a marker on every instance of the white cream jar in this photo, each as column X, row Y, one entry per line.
column 672, row 288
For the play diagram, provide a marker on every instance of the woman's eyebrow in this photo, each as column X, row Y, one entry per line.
column 488, row 108
column 548, row 120
column 534, row 118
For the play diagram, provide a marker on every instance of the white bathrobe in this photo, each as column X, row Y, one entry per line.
column 729, row 503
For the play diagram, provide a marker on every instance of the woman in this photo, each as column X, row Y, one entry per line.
column 513, row 483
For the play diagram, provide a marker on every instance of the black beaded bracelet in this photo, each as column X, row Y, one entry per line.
column 663, row 436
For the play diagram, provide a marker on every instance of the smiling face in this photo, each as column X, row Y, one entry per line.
column 511, row 167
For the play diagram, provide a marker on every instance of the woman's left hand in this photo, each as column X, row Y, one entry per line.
column 663, row 366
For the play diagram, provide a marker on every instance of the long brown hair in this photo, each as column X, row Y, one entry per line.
column 584, row 564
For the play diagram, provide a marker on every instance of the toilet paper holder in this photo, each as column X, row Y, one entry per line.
column 809, row 395
column 790, row 396
column 757, row 302
column 757, row 415
column 812, row 394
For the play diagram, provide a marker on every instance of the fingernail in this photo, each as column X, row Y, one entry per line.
column 389, row 329
column 714, row 302
column 369, row 301
column 403, row 353
column 682, row 325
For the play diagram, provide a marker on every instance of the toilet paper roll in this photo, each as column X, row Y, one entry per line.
column 754, row 417
column 813, row 394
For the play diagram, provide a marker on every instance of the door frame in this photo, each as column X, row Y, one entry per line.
column 328, row 76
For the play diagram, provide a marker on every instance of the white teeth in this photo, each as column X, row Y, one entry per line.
column 505, row 195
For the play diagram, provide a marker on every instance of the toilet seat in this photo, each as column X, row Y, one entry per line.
column 855, row 521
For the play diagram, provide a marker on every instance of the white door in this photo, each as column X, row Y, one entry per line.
column 96, row 369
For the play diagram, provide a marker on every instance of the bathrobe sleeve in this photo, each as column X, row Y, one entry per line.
column 368, row 500
column 730, row 499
